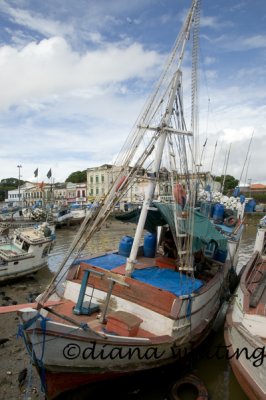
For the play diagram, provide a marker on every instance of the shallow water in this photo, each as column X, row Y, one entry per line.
column 208, row 365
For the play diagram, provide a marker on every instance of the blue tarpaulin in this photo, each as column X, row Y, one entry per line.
column 172, row 281
column 107, row 261
column 165, row 279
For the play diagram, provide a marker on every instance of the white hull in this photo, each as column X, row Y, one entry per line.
column 11, row 273
column 25, row 252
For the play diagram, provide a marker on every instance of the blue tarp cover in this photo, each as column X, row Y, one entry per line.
column 172, row 281
column 107, row 261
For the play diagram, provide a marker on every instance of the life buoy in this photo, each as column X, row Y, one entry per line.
column 180, row 194
column 189, row 380
column 230, row 221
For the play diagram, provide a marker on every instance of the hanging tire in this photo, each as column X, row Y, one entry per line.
column 194, row 382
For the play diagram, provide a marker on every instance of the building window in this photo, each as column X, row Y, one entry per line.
column 97, row 179
column 102, row 178
column 91, row 192
column 83, row 193
column 91, row 179
column 97, row 191
column 78, row 193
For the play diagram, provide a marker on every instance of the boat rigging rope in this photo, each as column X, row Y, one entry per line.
column 99, row 215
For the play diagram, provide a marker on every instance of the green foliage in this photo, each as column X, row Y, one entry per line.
column 259, row 197
column 8, row 184
column 229, row 184
column 77, row 177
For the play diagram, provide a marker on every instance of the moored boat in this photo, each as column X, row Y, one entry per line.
column 61, row 216
column 25, row 251
column 78, row 213
column 153, row 300
column 245, row 329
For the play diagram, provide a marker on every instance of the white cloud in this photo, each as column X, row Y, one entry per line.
column 230, row 135
column 34, row 21
column 51, row 67
column 254, row 42
column 209, row 60
column 74, row 80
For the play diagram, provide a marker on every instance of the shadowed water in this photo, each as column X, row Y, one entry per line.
column 212, row 369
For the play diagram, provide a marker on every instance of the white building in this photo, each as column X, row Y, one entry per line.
column 100, row 180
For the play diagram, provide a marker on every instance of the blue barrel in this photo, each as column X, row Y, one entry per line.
column 250, row 206
column 242, row 198
column 125, row 246
column 218, row 213
column 150, row 244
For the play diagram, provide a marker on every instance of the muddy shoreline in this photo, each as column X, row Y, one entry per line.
column 13, row 354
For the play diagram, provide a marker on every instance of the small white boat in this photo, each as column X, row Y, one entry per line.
column 245, row 329
column 61, row 216
column 78, row 213
column 25, row 252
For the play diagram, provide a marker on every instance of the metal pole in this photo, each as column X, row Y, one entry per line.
column 250, row 180
column 19, row 166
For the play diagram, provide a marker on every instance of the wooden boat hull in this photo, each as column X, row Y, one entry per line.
column 242, row 374
column 74, row 356
column 245, row 332
column 75, row 360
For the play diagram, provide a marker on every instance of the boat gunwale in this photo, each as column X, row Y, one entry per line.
column 250, row 387
column 254, row 260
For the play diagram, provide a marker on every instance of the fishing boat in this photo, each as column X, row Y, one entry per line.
column 155, row 297
column 4, row 229
column 61, row 216
column 78, row 213
column 245, row 329
column 25, row 251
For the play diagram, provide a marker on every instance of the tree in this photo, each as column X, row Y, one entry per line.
column 229, row 183
column 8, row 184
column 77, row 177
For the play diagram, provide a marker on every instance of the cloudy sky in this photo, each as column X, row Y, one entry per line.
column 74, row 75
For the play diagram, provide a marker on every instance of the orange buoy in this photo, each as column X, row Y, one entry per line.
column 194, row 382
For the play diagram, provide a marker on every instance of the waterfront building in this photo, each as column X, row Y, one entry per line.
column 100, row 180
column 81, row 193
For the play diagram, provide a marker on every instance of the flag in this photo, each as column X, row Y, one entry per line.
column 36, row 173
column 49, row 173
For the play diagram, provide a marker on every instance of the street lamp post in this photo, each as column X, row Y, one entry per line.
column 19, row 166
column 249, row 181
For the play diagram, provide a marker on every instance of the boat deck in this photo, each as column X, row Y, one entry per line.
column 116, row 323
column 159, row 272
column 155, row 283
column 10, row 251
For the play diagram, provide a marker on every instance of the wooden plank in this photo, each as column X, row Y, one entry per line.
column 256, row 295
column 17, row 307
